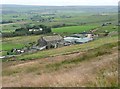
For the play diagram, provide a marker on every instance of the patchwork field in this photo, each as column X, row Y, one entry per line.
column 54, row 16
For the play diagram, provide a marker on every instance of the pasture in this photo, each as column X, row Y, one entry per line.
column 74, row 29
column 17, row 42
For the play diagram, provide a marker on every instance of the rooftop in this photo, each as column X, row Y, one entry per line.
column 52, row 38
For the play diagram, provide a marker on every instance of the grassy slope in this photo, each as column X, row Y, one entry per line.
column 101, row 70
column 65, row 50
column 109, row 28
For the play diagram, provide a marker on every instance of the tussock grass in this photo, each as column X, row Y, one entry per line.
column 70, row 72
column 106, row 76
column 92, row 53
column 89, row 54
column 11, row 72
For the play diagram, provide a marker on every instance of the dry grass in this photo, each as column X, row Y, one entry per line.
column 101, row 71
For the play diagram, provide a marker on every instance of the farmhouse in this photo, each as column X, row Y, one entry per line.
column 51, row 41
column 40, row 29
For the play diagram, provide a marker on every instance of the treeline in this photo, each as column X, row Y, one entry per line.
column 5, row 22
column 63, row 25
column 35, row 30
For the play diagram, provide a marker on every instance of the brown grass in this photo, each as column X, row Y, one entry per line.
column 101, row 71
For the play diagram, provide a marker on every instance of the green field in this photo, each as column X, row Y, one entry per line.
column 73, row 29
column 53, row 16
column 17, row 42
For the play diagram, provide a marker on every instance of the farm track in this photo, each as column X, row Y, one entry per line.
column 83, row 74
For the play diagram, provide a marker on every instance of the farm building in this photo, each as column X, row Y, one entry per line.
column 40, row 29
column 51, row 41
column 87, row 34
column 79, row 38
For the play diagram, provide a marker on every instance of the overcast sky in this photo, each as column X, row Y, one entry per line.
column 60, row 2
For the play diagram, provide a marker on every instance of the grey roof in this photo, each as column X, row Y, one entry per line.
column 52, row 38
column 85, row 33
column 76, row 35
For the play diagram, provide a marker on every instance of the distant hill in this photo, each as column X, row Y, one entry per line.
column 16, row 8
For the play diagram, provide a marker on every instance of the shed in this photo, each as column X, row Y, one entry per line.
column 79, row 38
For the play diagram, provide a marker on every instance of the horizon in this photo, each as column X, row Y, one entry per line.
column 55, row 5
column 62, row 2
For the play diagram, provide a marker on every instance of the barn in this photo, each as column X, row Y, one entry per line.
column 51, row 41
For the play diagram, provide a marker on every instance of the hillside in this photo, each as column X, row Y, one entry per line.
column 35, row 52
column 92, row 72
column 90, row 67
